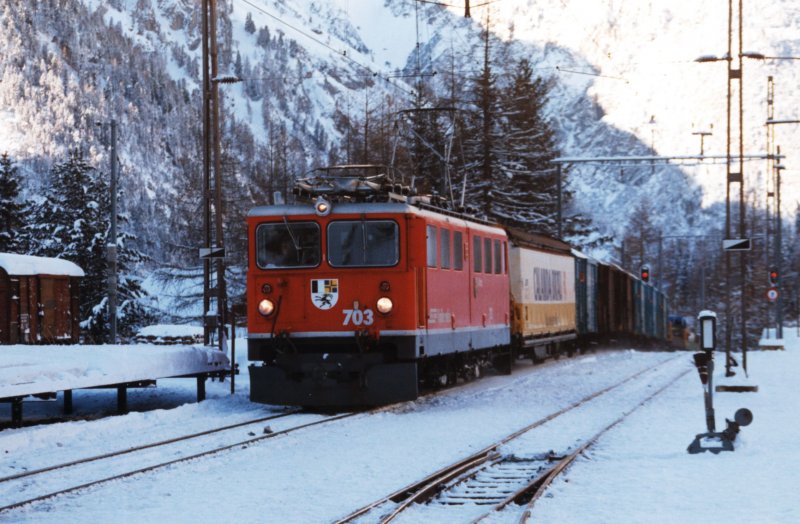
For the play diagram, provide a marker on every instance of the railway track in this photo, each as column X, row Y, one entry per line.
column 492, row 479
column 17, row 487
column 45, row 483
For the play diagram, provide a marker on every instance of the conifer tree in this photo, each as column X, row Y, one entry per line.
column 12, row 211
column 72, row 222
column 481, row 140
column 249, row 26
column 526, row 186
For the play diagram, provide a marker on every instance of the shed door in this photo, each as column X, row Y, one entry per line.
column 47, row 301
column 5, row 309
column 62, row 313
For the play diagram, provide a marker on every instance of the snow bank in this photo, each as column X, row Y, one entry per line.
column 25, row 370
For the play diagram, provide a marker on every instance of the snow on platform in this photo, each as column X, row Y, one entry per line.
column 769, row 339
column 28, row 370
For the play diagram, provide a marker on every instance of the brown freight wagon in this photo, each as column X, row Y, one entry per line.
column 38, row 300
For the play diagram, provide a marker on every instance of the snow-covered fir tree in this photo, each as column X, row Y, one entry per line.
column 13, row 212
column 483, row 135
column 526, row 189
column 72, row 222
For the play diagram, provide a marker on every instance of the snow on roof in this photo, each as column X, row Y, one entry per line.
column 30, row 265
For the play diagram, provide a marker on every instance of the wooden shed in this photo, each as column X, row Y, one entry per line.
column 38, row 300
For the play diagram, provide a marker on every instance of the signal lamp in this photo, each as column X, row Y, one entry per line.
column 773, row 277
column 266, row 289
column 322, row 207
column 708, row 330
column 384, row 286
column 384, row 305
column 266, row 307
column 645, row 274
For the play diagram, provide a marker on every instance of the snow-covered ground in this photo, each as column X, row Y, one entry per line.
column 638, row 472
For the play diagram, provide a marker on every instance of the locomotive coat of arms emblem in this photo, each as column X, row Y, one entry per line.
column 324, row 292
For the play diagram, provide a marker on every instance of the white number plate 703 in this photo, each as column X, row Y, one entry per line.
column 358, row 317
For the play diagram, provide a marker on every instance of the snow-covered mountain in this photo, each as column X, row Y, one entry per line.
column 644, row 55
column 310, row 66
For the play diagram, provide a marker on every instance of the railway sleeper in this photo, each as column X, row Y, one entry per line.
column 494, row 483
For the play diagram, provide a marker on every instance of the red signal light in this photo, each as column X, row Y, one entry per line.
column 773, row 277
column 645, row 274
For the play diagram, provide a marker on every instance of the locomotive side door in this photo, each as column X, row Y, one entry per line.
column 447, row 290
column 477, row 280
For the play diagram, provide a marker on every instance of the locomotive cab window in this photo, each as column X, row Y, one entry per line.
column 363, row 243
column 287, row 245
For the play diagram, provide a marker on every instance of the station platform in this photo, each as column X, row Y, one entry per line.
column 43, row 371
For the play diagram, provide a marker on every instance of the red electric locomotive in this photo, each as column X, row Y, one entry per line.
column 361, row 293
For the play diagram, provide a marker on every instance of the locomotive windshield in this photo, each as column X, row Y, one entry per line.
column 360, row 243
column 287, row 245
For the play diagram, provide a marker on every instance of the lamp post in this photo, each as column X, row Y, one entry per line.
column 214, row 244
column 777, row 168
column 112, row 245
column 735, row 74
column 206, row 171
column 111, row 242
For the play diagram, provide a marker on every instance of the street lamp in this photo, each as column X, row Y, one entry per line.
column 712, row 58
column 226, row 78
column 727, row 57
column 735, row 74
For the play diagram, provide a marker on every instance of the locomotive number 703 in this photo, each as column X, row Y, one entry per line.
column 358, row 317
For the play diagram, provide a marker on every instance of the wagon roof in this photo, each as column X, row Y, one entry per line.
column 537, row 241
column 29, row 265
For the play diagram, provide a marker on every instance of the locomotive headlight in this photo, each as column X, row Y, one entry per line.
column 384, row 305
column 266, row 307
column 322, row 207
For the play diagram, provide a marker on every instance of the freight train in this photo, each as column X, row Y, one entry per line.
column 364, row 294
